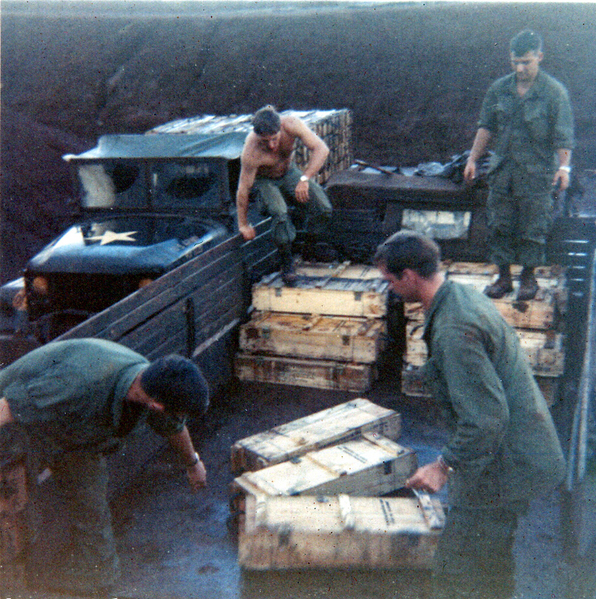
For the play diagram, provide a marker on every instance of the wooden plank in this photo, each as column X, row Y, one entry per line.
column 305, row 336
column 338, row 424
column 371, row 465
column 320, row 374
column 544, row 349
column 332, row 289
column 336, row 532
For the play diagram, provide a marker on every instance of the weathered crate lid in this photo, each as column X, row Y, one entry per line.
column 332, row 289
column 332, row 425
column 370, row 465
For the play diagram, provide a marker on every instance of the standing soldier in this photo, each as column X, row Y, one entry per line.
column 528, row 116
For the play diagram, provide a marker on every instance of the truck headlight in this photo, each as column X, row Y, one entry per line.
column 40, row 285
column 144, row 282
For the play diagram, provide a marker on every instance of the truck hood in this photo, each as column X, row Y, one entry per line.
column 128, row 245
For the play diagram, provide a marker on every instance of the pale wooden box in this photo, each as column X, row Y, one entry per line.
column 319, row 337
column 540, row 313
column 338, row 424
column 412, row 384
column 302, row 372
column 331, row 289
column 370, row 465
column 338, row 532
column 544, row 349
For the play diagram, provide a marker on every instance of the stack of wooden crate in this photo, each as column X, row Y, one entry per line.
column 537, row 323
column 308, row 494
column 327, row 331
column 334, row 127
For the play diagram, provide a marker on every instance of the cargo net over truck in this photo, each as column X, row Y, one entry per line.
column 334, row 127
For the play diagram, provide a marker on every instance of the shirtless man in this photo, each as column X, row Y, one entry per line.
column 270, row 175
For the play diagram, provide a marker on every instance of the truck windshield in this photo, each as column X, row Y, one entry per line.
column 187, row 185
column 115, row 184
column 174, row 185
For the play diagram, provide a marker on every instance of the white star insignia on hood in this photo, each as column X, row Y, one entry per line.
column 110, row 236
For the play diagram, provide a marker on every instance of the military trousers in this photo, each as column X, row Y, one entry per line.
column 519, row 210
column 274, row 196
column 83, row 482
column 474, row 558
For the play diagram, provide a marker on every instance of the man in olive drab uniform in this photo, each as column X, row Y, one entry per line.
column 528, row 116
column 269, row 173
column 503, row 448
column 74, row 401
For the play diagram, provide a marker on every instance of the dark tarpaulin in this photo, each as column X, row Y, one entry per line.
column 163, row 145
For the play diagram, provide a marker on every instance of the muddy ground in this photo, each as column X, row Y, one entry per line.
column 414, row 75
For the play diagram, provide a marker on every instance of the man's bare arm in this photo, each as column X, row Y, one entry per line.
column 183, row 446
column 481, row 141
column 562, row 174
column 318, row 152
column 245, row 182
column 318, row 148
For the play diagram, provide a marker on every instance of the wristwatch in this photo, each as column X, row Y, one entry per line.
column 304, row 178
column 445, row 466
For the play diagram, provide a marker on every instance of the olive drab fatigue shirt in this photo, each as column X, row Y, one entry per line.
column 69, row 395
column 528, row 129
column 503, row 447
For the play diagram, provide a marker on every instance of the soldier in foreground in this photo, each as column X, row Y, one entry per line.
column 269, row 173
column 503, row 449
column 76, row 400
column 528, row 116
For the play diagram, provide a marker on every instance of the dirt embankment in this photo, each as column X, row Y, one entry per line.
column 413, row 74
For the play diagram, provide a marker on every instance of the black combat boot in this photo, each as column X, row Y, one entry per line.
column 502, row 285
column 288, row 274
column 528, row 286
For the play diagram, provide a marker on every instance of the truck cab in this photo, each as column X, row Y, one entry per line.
column 144, row 204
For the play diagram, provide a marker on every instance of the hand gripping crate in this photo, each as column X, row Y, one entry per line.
column 370, row 465
column 339, row 532
column 338, row 424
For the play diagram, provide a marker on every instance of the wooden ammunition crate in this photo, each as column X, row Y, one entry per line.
column 544, row 349
column 320, row 337
column 336, row 290
column 320, row 374
column 540, row 313
column 371, row 465
column 412, row 384
column 338, row 424
column 338, row 532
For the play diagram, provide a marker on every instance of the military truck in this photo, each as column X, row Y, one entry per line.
column 144, row 205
